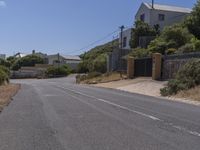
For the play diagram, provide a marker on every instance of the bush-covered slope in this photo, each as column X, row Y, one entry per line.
column 95, row 59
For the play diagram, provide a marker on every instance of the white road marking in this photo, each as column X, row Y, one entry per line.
column 194, row 133
column 114, row 104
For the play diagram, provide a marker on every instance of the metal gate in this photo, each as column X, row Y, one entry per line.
column 143, row 67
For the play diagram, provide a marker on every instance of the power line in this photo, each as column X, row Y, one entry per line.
column 95, row 42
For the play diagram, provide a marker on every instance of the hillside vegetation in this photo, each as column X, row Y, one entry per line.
column 95, row 60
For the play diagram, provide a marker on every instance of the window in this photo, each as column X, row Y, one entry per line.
column 124, row 41
column 142, row 17
column 161, row 17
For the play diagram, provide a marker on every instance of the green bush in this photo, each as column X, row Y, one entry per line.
column 171, row 37
column 140, row 53
column 27, row 61
column 5, row 69
column 187, row 77
column 100, row 64
column 141, row 29
column 58, row 71
column 171, row 51
column 3, row 77
column 187, row 48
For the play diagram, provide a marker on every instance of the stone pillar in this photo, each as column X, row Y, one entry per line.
column 156, row 66
column 130, row 67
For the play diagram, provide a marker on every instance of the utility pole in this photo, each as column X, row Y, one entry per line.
column 121, row 47
column 58, row 60
column 152, row 4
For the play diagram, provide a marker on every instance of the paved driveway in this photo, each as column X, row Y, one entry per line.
column 57, row 114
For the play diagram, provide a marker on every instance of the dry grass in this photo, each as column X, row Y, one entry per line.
column 193, row 94
column 104, row 78
column 6, row 93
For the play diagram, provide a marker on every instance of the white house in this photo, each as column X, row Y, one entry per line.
column 156, row 14
column 162, row 15
column 56, row 59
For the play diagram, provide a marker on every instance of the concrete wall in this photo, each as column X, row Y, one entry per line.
column 172, row 63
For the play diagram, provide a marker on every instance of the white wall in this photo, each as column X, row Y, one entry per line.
column 151, row 16
column 127, row 34
column 170, row 18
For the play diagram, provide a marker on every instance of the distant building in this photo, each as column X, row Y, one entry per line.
column 58, row 59
column 2, row 56
column 20, row 55
column 162, row 15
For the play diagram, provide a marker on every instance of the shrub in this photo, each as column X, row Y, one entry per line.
column 186, row 48
column 171, row 37
column 58, row 71
column 193, row 21
column 3, row 77
column 187, row 77
column 6, row 70
column 141, row 29
column 171, row 51
column 100, row 64
column 140, row 53
column 27, row 61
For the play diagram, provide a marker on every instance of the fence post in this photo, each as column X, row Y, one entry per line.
column 156, row 67
column 130, row 67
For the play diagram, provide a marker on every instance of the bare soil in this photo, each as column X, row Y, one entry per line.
column 6, row 94
column 193, row 94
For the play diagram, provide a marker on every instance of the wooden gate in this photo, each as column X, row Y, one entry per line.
column 143, row 67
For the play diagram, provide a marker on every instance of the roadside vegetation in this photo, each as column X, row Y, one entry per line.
column 95, row 60
column 7, row 90
column 188, row 77
column 95, row 77
column 60, row 71
column 93, row 67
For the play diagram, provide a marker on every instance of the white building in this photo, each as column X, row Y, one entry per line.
column 162, row 15
column 72, row 61
column 126, row 37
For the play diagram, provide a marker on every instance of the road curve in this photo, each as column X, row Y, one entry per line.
column 58, row 114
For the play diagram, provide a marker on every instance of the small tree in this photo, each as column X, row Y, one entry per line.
column 141, row 29
column 193, row 21
column 27, row 61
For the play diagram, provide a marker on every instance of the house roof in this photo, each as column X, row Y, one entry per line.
column 168, row 8
column 69, row 57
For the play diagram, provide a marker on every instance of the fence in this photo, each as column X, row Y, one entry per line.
column 116, row 60
column 172, row 63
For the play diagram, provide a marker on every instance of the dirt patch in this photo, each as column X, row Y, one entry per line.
column 103, row 78
column 6, row 93
column 193, row 94
column 143, row 85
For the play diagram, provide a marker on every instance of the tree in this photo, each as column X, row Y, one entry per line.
column 173, row 36
column 27, row 61
column 141, row 29
column 193, row 21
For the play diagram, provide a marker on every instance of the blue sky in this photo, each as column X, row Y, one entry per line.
column 64, row 26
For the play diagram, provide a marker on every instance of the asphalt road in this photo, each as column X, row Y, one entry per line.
column 57, row 114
